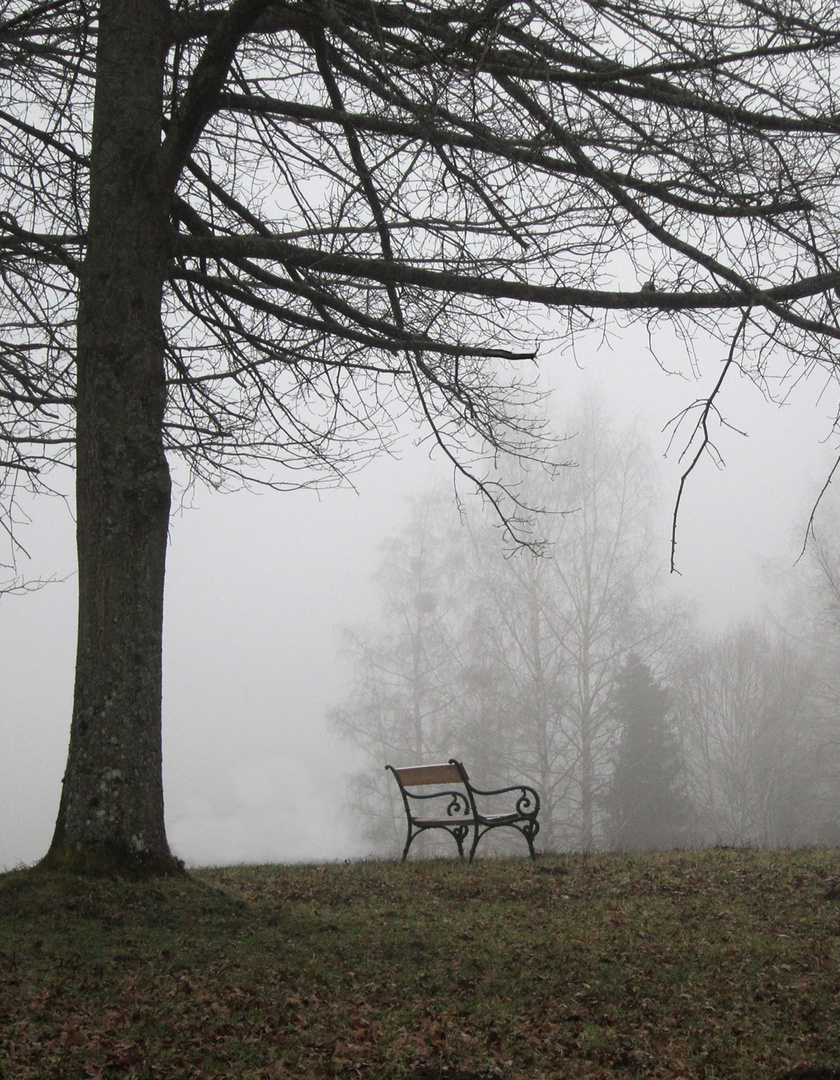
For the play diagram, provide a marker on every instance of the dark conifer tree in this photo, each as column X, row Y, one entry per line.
column 647, row 804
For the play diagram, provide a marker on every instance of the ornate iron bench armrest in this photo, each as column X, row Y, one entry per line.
column 528, row 803
column 458, row 805
column 523, row 817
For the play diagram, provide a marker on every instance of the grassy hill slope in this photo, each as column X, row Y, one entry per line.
column 716, row 964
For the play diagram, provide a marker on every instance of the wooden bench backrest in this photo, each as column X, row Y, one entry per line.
column 418, row 775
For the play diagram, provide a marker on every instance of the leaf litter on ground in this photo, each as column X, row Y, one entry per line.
column 693, row 964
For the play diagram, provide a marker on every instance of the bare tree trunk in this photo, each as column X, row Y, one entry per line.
column 587, row 739
column 542, row 736
column 587, row 784
column 111, row 813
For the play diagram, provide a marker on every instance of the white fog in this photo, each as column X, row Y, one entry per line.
column 260, row 584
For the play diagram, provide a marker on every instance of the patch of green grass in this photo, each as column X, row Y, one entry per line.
column 691, row 964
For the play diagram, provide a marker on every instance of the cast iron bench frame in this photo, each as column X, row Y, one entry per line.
column 462, row 806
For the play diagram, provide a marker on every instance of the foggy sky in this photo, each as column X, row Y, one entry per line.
column 259, row 586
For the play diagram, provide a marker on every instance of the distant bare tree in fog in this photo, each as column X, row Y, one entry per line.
column 750, row 717
column 812, row 623
column 519, row 649
column 565, row 623
column 513, row 661
column 258, row 236
column 400, row 709
column 816, row 606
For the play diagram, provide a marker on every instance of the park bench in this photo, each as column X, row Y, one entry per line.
column 457, row 809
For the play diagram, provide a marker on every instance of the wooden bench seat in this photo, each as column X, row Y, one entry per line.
column 457, row 807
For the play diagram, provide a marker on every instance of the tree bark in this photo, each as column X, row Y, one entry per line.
column 110, row 818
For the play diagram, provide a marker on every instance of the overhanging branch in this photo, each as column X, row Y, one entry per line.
column 386, row 272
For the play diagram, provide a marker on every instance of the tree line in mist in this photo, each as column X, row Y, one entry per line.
column 573, row 671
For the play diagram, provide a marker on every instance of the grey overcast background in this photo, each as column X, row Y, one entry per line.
column 260, row 584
